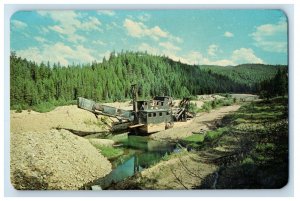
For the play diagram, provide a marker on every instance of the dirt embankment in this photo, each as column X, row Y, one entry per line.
column 66, row 117
column 46, row 158
column 203, row 121
column 54, row 160
column 182, row 172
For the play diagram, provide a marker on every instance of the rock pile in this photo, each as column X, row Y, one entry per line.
column 54, row 160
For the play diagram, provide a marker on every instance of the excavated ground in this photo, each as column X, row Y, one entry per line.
column 54, row 160
column 45, row 155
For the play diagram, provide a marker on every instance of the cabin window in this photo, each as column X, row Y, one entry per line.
column 157, row 103
column 149, row 115
column 168, row 113
column 154, row 114
column 160, row 114
column 162, row 103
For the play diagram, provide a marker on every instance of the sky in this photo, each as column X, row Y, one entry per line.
column 205, row 37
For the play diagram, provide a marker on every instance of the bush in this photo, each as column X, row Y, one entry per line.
column 206, row 107
column 213, row 104
column 18, row 108
column 228, row 102
column 44, row 107
column 212, row 135
column 194, row 138
column 110, row 152
column 193, row 108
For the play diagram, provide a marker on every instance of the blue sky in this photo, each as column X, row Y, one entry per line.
column 213, row 37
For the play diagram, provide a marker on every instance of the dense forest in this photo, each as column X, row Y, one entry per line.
column 110, row 80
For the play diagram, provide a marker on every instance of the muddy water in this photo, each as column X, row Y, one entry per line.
column 140, row 153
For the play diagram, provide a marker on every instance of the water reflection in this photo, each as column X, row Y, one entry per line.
column 142, row 152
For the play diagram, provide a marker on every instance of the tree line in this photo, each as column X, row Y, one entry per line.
column 110, row 80
column 277, row 86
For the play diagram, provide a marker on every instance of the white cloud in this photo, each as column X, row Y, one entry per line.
column 193, row 57
column 57, row 52
column 67, row 20
column 40, row 39
column 169, row 50
column 18, row 24
column 105, row 54
column 75, row 38
column 176, row 39
column 228, row 34
column 43, row 30
column 68, row 24
column 169, row 46
column 135, row 29
column 58, row 29
column 92, row 24
column 151, row 50
column 138, row 30
column 245, row 55
column 271, row 37
column 98, row 42
column 106, row 12
column 212, row 49
column 238, row 56
column 222, row 62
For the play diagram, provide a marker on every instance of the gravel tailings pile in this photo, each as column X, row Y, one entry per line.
column 65, row 117
column 54, row 160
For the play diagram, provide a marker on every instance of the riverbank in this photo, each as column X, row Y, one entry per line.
column 249, row 150
column 179, row 172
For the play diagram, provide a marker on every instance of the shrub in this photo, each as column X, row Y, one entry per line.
column 194, row 138
column 206, row 107
column 44, row 107
column 211, row 135
column 110, row 152
column 18, row 108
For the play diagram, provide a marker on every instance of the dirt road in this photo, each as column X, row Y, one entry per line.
column 203, row 121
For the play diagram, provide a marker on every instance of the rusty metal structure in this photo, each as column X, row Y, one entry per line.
column 146, row 116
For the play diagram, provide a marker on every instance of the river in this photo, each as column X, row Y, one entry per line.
column 140, row 152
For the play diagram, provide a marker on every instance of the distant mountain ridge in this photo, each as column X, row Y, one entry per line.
column 246, row 73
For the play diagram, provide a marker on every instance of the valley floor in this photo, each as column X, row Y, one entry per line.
column 235, row 147
column 249, row 149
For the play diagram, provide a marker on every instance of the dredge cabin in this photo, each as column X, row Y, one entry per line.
column 153, row 115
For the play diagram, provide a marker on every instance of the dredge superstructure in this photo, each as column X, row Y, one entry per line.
column 146, row 117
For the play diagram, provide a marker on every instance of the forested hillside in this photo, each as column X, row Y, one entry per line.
column 248, row 74
column 110, row 80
